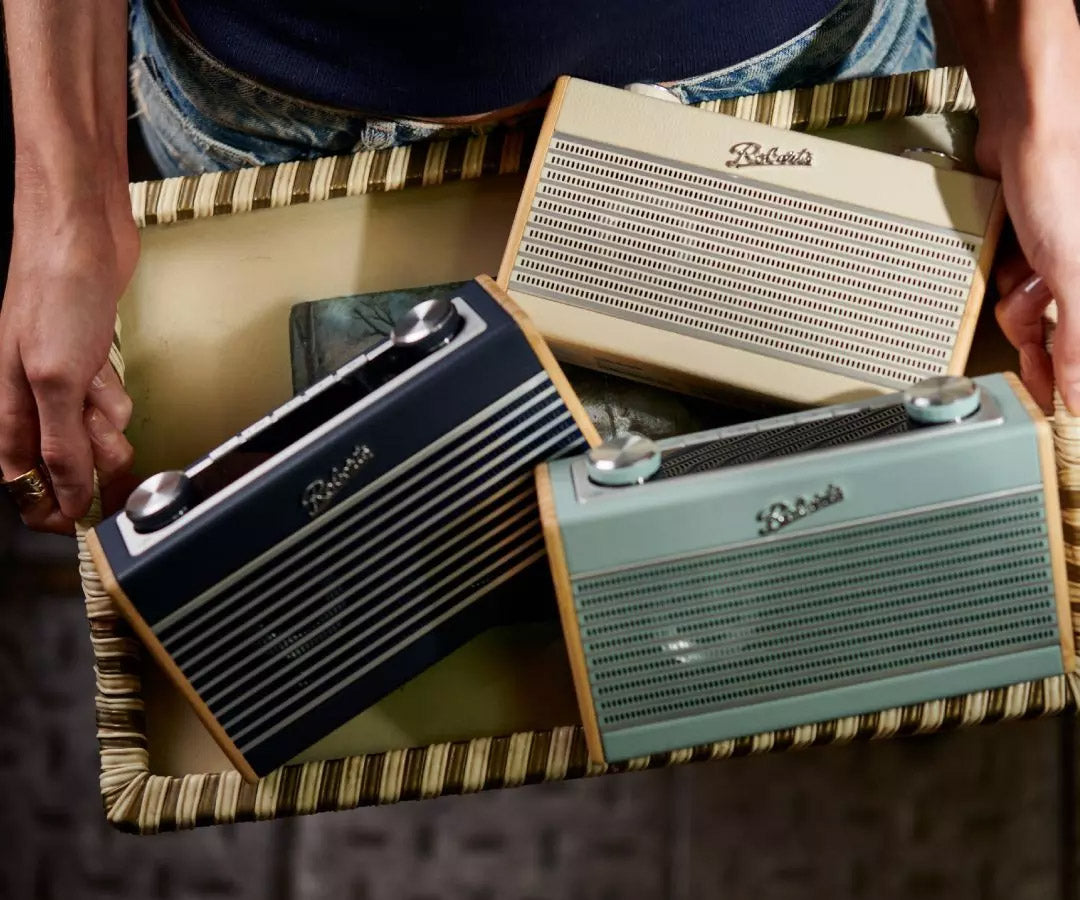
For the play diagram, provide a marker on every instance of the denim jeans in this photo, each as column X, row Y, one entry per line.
column 198, row 115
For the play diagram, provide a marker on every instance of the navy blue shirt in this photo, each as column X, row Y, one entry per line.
column 433, row 58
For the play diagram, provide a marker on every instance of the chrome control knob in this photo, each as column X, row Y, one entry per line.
column 624, row 460
column 426, row 327
column 159, row 500
column 943, row 398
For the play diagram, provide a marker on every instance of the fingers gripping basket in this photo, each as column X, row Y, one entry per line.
column 136, row 799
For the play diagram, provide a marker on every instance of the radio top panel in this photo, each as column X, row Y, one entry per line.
column 939, row 441
column 428, row 333
column 929, row 409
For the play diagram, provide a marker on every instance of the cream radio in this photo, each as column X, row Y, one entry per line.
column 715, row 256
column 879, row 553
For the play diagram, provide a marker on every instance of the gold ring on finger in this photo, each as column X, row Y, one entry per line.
column 30, row 488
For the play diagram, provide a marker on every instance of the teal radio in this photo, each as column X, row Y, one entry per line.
column 808, row 567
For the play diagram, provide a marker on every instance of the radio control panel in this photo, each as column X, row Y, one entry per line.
column 423, row 335
column 934, row 404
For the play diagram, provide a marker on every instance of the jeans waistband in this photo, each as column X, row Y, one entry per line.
column 196, row 72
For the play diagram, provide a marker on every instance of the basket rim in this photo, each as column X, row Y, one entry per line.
column 137, row 800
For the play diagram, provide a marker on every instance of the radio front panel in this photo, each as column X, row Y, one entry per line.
column 808, row 567
column 655, row 239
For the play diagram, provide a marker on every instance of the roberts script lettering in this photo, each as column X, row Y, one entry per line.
column 749, row 153
column 319, row 494
column 780, row 515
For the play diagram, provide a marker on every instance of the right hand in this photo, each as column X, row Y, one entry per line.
column 60, row 401
column 1038, row 162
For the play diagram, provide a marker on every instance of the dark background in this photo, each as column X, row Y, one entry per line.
column 984, row 813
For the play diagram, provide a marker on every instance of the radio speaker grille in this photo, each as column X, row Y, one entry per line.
column 772, row 443
column 800, row 614
column 390, row 564
column 723, row 258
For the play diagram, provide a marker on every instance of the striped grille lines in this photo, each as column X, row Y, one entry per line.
column 405, row 554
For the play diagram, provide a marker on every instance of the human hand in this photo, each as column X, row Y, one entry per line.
column 60, row 401
column 1039, row 166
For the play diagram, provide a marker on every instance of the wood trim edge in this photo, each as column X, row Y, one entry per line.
column 564, row 593
column 546, row 356
column 965, row 334
column 547, row 129
column 151, row 642
column 1044, row 438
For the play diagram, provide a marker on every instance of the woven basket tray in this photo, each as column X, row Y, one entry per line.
column 136, row 799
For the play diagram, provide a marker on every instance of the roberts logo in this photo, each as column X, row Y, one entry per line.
column 779, row 515
column 320, row 493
column 750, row 154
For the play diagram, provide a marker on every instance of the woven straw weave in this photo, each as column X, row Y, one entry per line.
column 137, row 800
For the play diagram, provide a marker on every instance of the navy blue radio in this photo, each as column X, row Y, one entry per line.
column 809, row 567
column 353, row 537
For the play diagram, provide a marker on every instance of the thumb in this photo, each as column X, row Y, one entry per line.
column 1066, row 354
column 1020, row 315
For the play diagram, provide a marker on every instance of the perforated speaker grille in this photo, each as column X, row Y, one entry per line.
column 807, row 613
column 772, row 443
column 730, row 260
